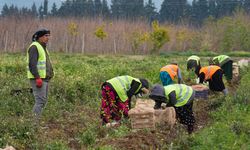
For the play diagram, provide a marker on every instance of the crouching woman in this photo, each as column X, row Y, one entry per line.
column 116, row 97
column 179, row 96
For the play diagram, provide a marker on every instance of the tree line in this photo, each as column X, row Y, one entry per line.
column 173, row 11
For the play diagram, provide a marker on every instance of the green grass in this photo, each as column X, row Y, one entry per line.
column 72, row 112
column 231, row 123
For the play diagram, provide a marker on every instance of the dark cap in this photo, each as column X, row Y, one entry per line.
column 157, row 93
column 39, row 34
column 144, row 83
column 157, row 90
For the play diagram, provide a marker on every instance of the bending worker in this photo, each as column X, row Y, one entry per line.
column 168, row 73
column 116, row 97
column 179, row 96
column 213, row 74
column 193, row 62
column 226, row 64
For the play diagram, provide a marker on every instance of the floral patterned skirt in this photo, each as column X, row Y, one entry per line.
column 185, row 114
column 112, row 108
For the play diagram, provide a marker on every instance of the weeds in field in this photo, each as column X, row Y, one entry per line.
column 72, row 112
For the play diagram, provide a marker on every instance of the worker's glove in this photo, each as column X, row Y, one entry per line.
column 39, row 82
column 139, row 95
column 197, row 80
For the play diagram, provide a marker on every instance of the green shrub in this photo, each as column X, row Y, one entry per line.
column 242, row 94
column 236, row 34
column 137, row 39
column 100, row 33
column 120, row 131
column 88, row 137
column 159, row 36
column 18, row 134
column 56, row 145
column 105, row 148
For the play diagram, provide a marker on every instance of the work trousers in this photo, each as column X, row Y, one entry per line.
column 41, row 95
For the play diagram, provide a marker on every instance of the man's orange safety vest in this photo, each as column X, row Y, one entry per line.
column 209, row 71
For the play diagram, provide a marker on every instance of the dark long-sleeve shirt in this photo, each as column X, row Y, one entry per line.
column 172, row 101
column 134, row 86
column 202, row 77
column 33, row 59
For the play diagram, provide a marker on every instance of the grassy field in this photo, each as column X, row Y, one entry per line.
column 71, row 117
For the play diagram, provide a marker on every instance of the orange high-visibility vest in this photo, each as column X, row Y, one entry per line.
column 171, row 70
column 209, row 71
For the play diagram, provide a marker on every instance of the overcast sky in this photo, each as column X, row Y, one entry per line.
column 28, row 3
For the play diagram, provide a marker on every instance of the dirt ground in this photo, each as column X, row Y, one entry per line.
column 67, row 127
column 163, row 134
column 137, row 139
column 141, row 139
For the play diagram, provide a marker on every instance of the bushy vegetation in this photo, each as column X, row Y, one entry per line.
column 159, row 37
column 93, row 36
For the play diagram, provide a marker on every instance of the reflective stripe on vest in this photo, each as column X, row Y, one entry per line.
column 194, row 57
column 220, row 58
column 122, row 84
column 41, row 63
column 209, row 71
column 171, row 70
column 183, row 93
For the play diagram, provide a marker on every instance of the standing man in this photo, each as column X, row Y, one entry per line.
column 39, row 70
column 168, row 73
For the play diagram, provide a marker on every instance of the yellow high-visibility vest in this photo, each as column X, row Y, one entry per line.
column 121, row 84
column 41, row 63
column 183, row 93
